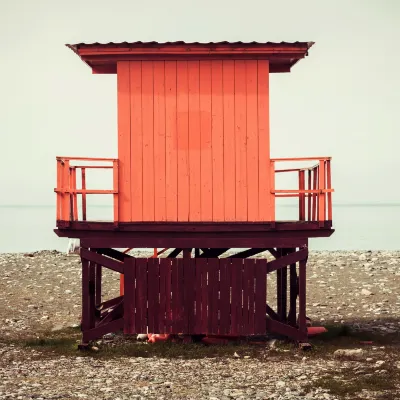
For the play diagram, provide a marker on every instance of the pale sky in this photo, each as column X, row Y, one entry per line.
column 342, row 101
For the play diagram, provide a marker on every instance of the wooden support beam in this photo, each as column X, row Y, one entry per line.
column 286, row 330
column 247, row 253
column 118, row 255
column 211, row 253
column 115, row 313
column 272, row 313
column 174, row 253
column 109, row 303
column 97, row 333
column 286, row 260
column 102, row 260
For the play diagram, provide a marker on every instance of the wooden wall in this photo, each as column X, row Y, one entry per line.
column 194, row 140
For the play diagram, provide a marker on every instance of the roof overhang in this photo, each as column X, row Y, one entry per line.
column 102, row 58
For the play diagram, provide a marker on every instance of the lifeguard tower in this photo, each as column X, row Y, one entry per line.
column 194, row 176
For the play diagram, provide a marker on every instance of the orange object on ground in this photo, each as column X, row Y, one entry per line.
column 154, row 338
column 316, row 330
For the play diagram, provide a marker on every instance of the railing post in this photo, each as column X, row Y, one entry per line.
column 309, row 195
column 83, row 175
column 314, row 195
column 302, row 205
column 65, row 199
column 272, row 194
column 329, row 186
column 73, row 195
column 116, row 190
column 59, row 186
column 321, row 194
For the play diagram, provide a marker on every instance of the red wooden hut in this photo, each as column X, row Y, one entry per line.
column 194, row 175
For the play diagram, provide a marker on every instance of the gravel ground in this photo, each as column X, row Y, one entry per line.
column 40, row 311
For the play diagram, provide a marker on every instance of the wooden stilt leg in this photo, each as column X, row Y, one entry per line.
column 92, row 294
column 293, row 292
column 85, row 296
column 293, row 295
column 302, row 297
column 98, row 274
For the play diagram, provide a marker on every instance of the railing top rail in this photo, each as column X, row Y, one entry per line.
column 92, row 166
column 302, row 159
column 59, row 158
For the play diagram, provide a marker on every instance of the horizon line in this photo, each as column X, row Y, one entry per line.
column 278, row 205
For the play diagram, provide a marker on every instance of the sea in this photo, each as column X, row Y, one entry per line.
column 357, row 227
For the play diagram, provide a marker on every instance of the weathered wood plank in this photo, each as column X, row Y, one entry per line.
column 129, row 297
column 260, row 299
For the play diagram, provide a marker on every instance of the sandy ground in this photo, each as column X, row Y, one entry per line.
column 355, row 294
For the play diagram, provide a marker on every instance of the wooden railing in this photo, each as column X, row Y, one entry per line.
column 314, row 187
column 67, row 191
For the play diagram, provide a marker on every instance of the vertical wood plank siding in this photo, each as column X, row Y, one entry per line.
column 194, row 140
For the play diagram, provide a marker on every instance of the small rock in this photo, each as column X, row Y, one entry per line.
column 280, row 384
column 57, row 328
column 379, row 363
column 68, row 291
column 236, row 355
column 366, row 292
column 356, row 354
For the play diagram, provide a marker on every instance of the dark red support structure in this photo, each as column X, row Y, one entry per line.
column 196, row 296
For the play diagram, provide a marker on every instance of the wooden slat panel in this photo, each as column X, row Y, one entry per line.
column 163, row 295
column 181, row 304
column 252, row 140
column 217, row 134
column 171, row 146
column 209, row 297
column 194, row 141
column 236, row 309
column 198, row 295
column 266, row 199
column 202, row 263
column 205, row 140
column 249, row 265
column 183, row 140
column 148, row 140
column 245, row 286
column 213, row 264
column 136, row 145
column 141, row 296
column 190, row 288
column 224, row 301
column 159, row 142
column 168, row 290
column 129, row 296
column 260, row 297
column 240, row 140
column 124, row 141
column 153, row 292
column 174, row 291
column 229, row 140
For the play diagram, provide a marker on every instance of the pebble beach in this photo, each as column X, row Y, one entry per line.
column 355, row 293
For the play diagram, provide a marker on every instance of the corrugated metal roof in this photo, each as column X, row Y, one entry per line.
column 288, row 53
column 153, row 43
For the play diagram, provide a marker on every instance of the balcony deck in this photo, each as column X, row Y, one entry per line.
column 314, row 213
